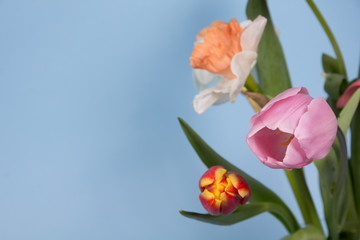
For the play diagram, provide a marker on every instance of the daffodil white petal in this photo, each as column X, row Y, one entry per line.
column 251, row 36
column 206, row 99
column 245, row 24
column 223, row 99
column 241, row 65
column 203, row 78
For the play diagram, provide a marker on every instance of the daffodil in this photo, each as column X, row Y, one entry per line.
column 224, row 53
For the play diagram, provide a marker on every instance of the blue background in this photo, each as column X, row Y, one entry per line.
column 90, row 147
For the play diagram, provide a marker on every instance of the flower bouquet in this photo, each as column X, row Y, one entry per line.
column 289, row 129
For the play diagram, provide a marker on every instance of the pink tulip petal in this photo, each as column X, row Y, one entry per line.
column 273, row 163
column 295, row 156
column 317, row 129
column 267, row 143
column 347, row 94
column 285, row 114
column 284, row 95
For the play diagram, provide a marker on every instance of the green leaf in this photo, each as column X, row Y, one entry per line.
column 350, row 227
column 259, row 193
column 330, row 64
column 355, row 159
column 335, row 84
column 273, row 74
column 309, row 232
column 333, row 170
column 242, row 213
column 348, row 111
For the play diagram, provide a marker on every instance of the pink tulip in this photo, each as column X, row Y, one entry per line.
column 292, row 130
column 347, row 94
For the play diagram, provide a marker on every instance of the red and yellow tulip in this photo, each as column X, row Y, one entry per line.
column 221, row 191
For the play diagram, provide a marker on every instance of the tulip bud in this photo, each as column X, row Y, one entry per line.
column 348, row 93
column 222, row 192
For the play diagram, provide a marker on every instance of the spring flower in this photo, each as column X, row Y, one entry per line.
column 224, row 53
column 348, row 93
column 222, row 192
column 292, row 130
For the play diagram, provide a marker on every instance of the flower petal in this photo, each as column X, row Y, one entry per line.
column 251, row 35
column 223, row 99
column 210, row 203
column 245, row 24
column 205, row 99
column 229, row 203
column 267, row 143
column 273, row 163
column 347, row 94
column 317, row 127
column 284, row 95
column 211, row 96
column 202, row 78
column 295, row 156
column 285, row 115
column 241, row 65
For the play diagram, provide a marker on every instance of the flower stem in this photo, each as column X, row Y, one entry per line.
column 302, row 194
column 252, row 85
column 355, row 158
column 330, row 36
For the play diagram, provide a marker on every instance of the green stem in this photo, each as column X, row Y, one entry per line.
column 330, row 36
column 355, row 158
column 252, row 85
column 302, row 194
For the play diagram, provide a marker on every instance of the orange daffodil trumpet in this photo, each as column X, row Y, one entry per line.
column 221, row 191
column 224, row 52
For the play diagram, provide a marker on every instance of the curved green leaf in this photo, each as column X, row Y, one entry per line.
column 259, row 193
column 273, row 74
column 309, row 232
column 330, row 36
column 348, row 111
column 333, row 170
column 242, row 213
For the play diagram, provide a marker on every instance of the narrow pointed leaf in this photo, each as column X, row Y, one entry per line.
column 242, row 213
column 273, row 74
column 259, row 193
